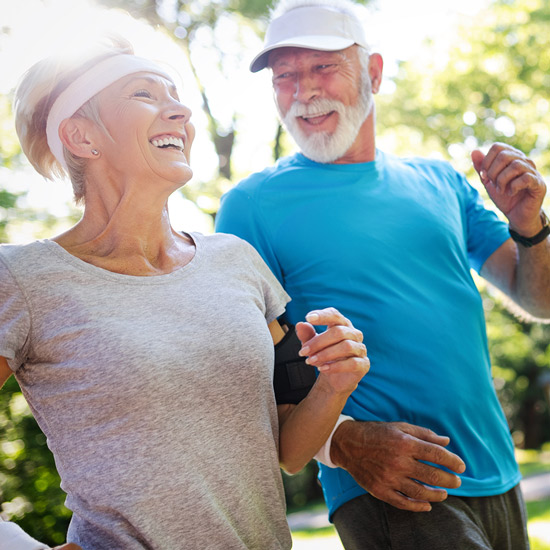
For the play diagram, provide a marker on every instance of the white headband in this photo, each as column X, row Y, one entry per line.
column 88, row 85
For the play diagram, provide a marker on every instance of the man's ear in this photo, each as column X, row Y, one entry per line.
column 376, row 65
column 76, row 136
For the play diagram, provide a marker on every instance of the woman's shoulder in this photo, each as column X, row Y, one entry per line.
column 228, row 248
column 221, row 241
column 24, row 260
column 18, row 252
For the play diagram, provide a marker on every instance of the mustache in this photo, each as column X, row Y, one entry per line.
column 316, row 107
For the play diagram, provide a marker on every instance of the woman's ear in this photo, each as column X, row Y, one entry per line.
column 76, row 136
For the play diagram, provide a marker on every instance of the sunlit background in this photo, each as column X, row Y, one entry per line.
column 399, row 29
column 470, row 78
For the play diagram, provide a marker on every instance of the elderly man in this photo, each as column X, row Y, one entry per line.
column 391, row 242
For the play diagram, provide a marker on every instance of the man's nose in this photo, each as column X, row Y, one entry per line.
column 307, row 88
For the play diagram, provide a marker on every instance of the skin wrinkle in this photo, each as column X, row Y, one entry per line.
column 120, row 227
column 304, row 79
column 299, row 78
column 125, row 229
column 324, row 145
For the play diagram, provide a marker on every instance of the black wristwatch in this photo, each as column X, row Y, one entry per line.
column 528, row 242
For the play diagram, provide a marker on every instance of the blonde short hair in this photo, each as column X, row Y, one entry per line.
column 35, row 94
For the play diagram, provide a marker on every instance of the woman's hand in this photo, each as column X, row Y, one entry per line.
column 68, row 546
column 342, row 360
column 338, row 352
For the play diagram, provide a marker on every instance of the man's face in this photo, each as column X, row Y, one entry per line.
column 323, row 98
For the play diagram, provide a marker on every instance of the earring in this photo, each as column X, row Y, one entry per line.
column 95, row 152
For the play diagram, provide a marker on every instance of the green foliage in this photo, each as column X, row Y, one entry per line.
column 9, row 151
column 29, row 483
column 493, row 87
column 9, row 146
column 520, row 354
column 302, row 488
column 7, row 204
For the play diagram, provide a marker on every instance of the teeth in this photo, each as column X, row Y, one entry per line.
column 172, row 140
column 314, row 115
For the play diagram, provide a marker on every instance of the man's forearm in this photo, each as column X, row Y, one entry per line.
column 532, row 285
column 324, row 454
column 341, row 444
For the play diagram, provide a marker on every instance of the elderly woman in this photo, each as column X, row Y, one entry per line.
column 145, row 354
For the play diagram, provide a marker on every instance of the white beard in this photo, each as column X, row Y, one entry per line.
column 323, row 146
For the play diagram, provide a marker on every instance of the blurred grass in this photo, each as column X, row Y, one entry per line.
column 534, row 462
column 531, row 463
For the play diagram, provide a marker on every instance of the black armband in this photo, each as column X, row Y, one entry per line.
column 293, row 377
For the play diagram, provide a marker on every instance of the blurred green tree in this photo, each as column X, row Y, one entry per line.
column 493, row 86
column 9, row 149
column 29, row 483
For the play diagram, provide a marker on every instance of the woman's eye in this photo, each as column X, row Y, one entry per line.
column 142, row 93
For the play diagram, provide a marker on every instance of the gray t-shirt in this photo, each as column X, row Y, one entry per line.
column 155, row 393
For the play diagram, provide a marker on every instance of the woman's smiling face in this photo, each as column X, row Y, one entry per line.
column 150, row 130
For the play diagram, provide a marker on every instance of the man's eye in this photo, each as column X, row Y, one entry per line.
column 282, row 76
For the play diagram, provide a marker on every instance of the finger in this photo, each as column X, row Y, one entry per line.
column 415, row 490
column 330, row 337
column 411, row 495
column 442, row 457
column 519, row 176
column 430, row 447
column 401, row 501
column 424, row 434
column 477, row 160
column 305, row 332
column 497, row 153
column 505, row 168
column 352, row 365
column 337, row 352
column 435, row 477
column 328, row 316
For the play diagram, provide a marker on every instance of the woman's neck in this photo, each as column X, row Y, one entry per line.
column 130, row 235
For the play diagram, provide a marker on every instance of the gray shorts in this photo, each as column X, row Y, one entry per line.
column 459, row 523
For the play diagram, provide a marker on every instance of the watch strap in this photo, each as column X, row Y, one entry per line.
column 528, row 242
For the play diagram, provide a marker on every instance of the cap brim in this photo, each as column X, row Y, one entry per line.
column 322, row 43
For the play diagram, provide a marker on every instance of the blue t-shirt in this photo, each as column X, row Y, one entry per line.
column 390, row 243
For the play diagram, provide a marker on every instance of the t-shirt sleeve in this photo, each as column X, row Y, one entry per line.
column 14, row 319
column 240, row 215
column 275, row 297
column 485, row 231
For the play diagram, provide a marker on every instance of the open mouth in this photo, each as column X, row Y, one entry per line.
column 316, row 119
column 168, row 142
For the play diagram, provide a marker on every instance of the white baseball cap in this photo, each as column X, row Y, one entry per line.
column 313, row 27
